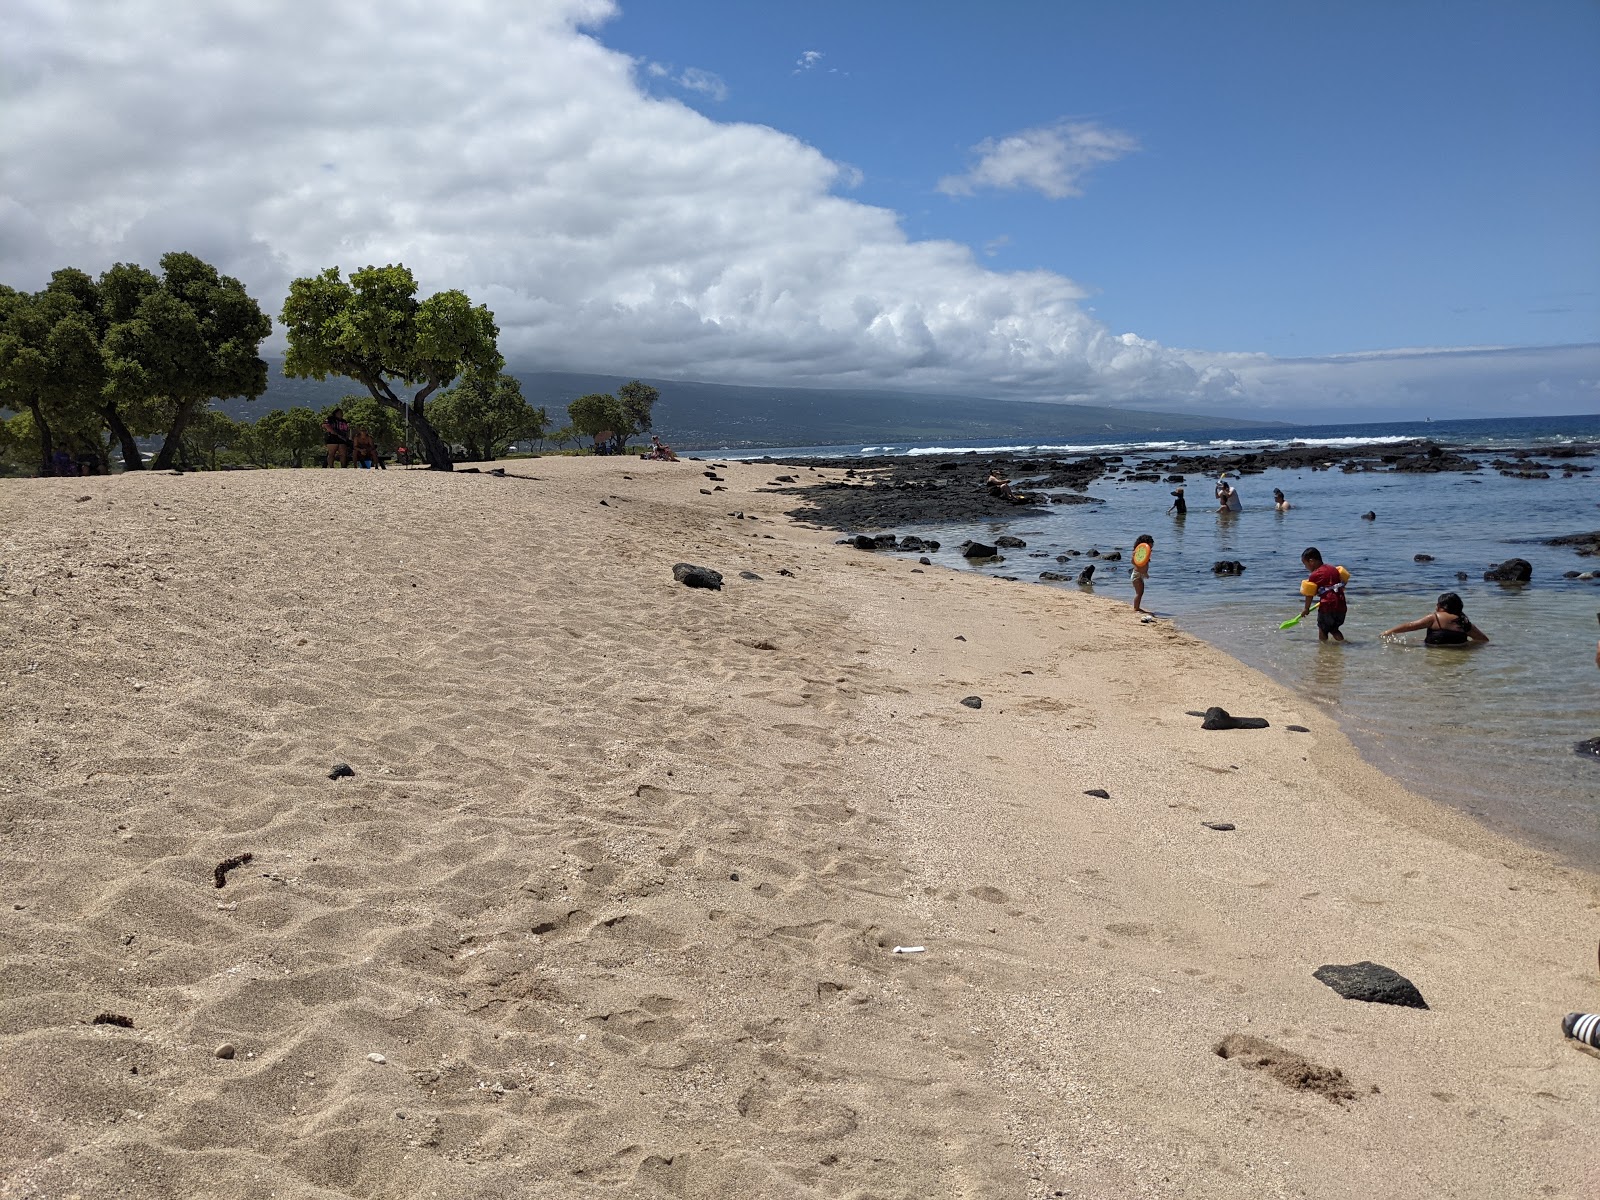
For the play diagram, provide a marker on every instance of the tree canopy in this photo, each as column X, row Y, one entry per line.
column 619, row 417
column 487, row 415
column 374, row 330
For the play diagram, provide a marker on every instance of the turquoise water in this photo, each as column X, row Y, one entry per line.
column 1488, row 729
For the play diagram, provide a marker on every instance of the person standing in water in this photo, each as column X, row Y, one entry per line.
column 1326, row 590
column 1228, row 496
column 1280, row 501
column 1447, row 625
column 1178, row 505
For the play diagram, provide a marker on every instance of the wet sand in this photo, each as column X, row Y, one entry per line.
column 614, row 888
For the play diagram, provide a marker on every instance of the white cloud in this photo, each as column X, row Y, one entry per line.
column 499, row 147
column 1052, row 159
column 807, row 60
column 697, row 80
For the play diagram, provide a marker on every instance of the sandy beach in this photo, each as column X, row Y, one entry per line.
column 609, row 904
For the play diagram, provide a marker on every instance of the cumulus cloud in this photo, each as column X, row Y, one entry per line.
column 1052, row 159
column 500, row 147
column 807, row 60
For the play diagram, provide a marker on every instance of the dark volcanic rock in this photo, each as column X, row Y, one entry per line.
column 1589, row 748
column 1371, row 982
column 977, row 550
column 1583, row 543
column 1100, row 792
column 1086, row 576
column 1007, row 542
column 1369, row 516
column 1422, row 558
column 862, row 542
column 342, row 771
column 972, row 701
column 1227, row 566
column 697, row 577
column 1220, row 718
column 1513, row 570
column 1053, row 577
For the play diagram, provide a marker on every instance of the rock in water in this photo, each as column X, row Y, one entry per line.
column 697, row 577
column 1220, row 718
column 1009, row 542
column 1371, row 982
column 1513, row 570
column 1086, row 576
column 1591, row 748
column 978, row 550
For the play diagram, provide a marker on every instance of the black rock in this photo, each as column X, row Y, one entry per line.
column 1227, row 566
column 1220, row 826
column 1086, row 576
column 1114, row 556
column 1591, row 747
column 973, row 701
column 862, row 542
column 978, row 550
column 1462, row 576
column 1422, row 558
column 1101, row 792
column 1053, row 577
column 1369, row 516
column 1297, row 729
column 748, row 575
column 1009, row 542
column 1371, row 982
column 884, row 541
column 1220, row 718
column 925, row 561
column 912, row 544
column 342, row 771
column 1513, row 570
column 697, row 577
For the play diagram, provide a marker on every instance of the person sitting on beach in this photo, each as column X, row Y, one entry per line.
column 1280, row 501
column 1228, row 496
column 660, row 450
column 366, row 450
column 336, row 438
column 1447, row 625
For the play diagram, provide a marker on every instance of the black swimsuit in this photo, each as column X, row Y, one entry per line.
column 1448, row 637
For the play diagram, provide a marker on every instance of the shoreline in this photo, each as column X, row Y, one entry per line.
column 615, row 886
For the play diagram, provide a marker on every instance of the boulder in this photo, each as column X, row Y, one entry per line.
column 1227, row 566
column 912, row 544
column 1010, row 543
column 972, row 701
column 977, row 550
column 697, row 577
column 1589, row 748
column 1369, row 516
column 1371, row 982
column 862, row 542
column 1086, row 576
column 1513, row 570
column 1220, row 718
column 1053, row 577
column 1422, row 558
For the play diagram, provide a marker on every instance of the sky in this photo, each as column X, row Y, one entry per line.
column 1362, row 211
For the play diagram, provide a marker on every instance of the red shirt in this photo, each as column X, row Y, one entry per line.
column 1330, row 591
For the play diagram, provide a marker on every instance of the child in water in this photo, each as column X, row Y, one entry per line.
column 1326, row 591
column 1141, row 568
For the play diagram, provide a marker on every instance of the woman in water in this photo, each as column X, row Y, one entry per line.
column 1447, row 625
column 1280, row 501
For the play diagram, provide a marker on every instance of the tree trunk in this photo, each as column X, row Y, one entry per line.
column 132, row 457
column 171, row 444
column 433, row 446
column 47, row 446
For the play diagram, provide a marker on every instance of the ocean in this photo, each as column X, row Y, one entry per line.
column 1489, row 729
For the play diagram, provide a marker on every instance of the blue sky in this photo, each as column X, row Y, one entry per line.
column 1309, row 180
column 1354, row 211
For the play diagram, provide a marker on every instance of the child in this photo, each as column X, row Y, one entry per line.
column 1325, row 587
column 1141, row 568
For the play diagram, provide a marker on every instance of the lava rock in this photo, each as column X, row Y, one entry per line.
column 1422, row 558
column 1086, row 576
column 1591, row 747
column 1227, row 566
column 1053, row 577
column 978, row 550
column 342, row 771
column 748, row 575
column 1100, row 792
column 912, row 544
column 1371, row 982
column 1297, row 729
column 972, row 701
column 1513, row 570
column 1220, row 718
column 1220, row 826
column 697, row 577
column 1009, row 542
column 925, row 561
column 862, row 542
column 1369, row 516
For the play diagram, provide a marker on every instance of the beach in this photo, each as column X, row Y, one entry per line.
column 610, row 900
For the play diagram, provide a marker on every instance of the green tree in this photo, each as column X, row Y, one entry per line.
column 382, row 422
column 375, row 331
column 50, row 368
column 191, row 339
column 599, row 415
column 637, row 400
column 207, row 432
column 293, row 433
column 487, row 415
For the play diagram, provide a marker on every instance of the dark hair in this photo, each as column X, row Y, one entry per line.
column 1278, row 493
column 1143, row 538
column 1312, row 553
column 1451, row 603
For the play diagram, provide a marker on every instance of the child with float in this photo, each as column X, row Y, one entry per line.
column 1323, row 590
column 1140, row 571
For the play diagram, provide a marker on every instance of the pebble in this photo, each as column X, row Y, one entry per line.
column 226, row 1050
column 1100, row 792
column 973, row 701
column 377, row 1058
column 1220, row 826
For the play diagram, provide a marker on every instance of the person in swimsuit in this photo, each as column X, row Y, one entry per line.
column 1228, row 496
column 1280, row 501
column 1447, row 625
column 336, row 438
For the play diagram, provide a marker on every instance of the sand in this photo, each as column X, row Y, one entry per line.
column 608, row 906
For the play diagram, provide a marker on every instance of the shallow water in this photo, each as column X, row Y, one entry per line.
column 1488, row 729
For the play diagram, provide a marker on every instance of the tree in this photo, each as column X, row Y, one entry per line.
column 383, row 423
column 375, row 331
column 487, row 415
column 190, row 339
column 600, row 416
column 293, row 432
column 50, row 367
column 637, row 400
